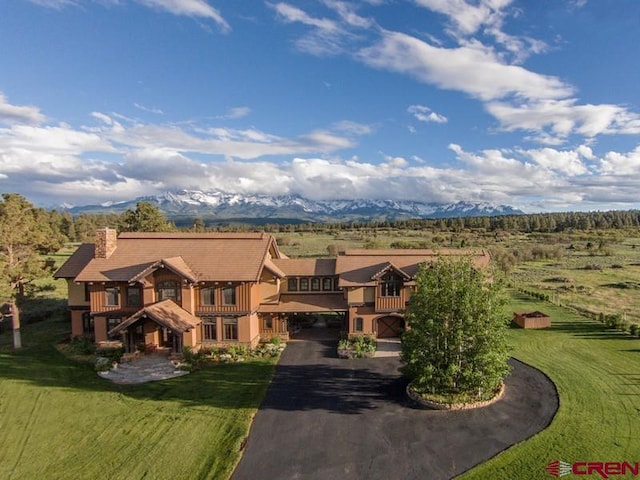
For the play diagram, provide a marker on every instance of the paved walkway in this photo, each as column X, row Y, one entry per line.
column 146, row 368
column 388, row 347
column 328, row 418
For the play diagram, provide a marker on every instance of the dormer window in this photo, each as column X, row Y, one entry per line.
column 390, row 286
column 168, row 289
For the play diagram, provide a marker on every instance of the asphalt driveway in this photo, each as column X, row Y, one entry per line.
column 329, row 418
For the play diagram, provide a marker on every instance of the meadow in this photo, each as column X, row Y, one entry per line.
column 58, row 417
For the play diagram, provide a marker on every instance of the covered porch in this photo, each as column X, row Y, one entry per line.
column 163, row 325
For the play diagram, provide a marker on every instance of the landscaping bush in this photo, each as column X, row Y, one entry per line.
column 112, row 353
column 103, row 364
column 193, row 359
column 358, row 347
column 81, row 345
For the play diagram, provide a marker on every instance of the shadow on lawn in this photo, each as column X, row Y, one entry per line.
column 341, row 386
column 239, row 385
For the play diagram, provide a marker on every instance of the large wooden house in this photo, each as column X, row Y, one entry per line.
column 213, row 289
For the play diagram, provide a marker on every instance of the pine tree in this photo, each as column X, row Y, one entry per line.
column 145, row 218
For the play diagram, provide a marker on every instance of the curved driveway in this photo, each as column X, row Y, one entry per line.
column 328, row 418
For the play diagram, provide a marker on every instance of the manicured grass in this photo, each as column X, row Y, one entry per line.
column 597, row 374
column 58, row 419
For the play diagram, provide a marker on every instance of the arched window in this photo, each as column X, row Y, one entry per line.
column 168, row 289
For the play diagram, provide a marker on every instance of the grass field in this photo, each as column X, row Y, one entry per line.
column 59, row 420
column 597, row 374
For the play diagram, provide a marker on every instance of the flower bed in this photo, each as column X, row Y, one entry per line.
column 357, row 347
column 432, row 404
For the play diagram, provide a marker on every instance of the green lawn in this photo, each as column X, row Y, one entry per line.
column 58, row 419
column 597, row 373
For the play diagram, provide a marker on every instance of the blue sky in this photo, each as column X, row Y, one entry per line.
column 531, row 103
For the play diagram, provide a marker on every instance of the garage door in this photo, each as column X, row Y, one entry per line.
column 390, row 327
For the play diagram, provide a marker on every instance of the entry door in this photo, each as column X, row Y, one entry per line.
column 136, row 337
column 176, row 340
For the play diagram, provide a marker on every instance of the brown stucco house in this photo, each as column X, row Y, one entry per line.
column 218, row 289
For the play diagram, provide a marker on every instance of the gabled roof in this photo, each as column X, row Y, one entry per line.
column 176, row 264
column 166, row 313
column 195, row 256
column 273, row 268
column 390, row 267
column 361, row 267
column 307, row 267
column 76, row 262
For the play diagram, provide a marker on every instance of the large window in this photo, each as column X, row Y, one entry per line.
column 168, row 289
column 229, row 295
column 315, row 284
column 390, row 286
column 112, row 296
column 267, row 322
column 209, row 328
column 230, row 328
column 134, row 296
column 293, row 285
column 304, row 284
column 327, row 284
column 207, row 296
column 113, row 322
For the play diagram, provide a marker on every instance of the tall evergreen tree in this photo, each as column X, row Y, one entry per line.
column 25, row 233
column 456, row 338
column 145, row 218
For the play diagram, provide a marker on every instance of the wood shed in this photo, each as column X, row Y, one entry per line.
column 532, row 319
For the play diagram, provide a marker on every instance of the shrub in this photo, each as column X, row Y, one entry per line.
column 194, row 359
column 357, row 347
column 102, row 364
column 113, row 353
column 634, row 329
column 81, row 345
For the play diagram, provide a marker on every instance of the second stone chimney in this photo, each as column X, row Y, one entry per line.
column 106, row 242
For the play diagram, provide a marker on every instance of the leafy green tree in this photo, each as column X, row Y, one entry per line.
column 145, row 218
column 25, row 234
column 455, row 344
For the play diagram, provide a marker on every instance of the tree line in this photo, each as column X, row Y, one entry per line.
column 28, row 232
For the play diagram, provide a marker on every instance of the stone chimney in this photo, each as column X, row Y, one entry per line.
column 106, row 242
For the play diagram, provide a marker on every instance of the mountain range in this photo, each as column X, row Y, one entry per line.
column 219, row 207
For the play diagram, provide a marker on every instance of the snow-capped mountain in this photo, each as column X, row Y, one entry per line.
column 220, row 206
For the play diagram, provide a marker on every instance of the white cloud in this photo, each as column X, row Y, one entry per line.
column 289, row 13
column 351, row 128
column 237, row 112
column 554, row 120
column 425, row 114
column 621, row 164
column 157, row 111
column 519, row 98
column 19, row 113
column 56, row 4
column 189, row 8
column 326, row 37
column 466, row 19
column 449, row 68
